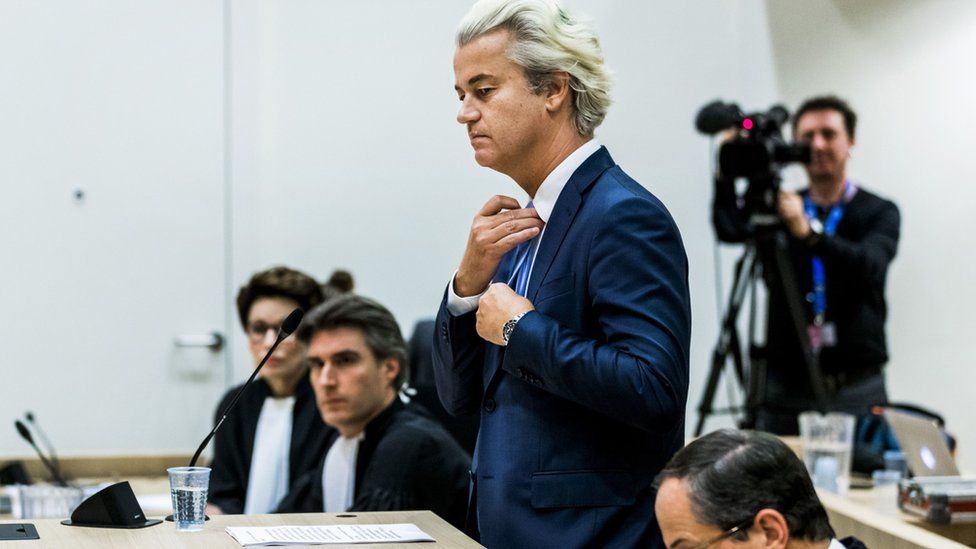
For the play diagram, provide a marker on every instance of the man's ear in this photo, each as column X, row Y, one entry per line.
column 773, row 529
column 559, row 92
column 392, row 368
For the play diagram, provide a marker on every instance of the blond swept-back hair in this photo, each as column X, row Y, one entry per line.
column 546, row 39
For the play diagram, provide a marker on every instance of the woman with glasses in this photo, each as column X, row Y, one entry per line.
column 275, row 434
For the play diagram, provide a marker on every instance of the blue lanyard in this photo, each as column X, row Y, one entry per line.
column 819, row 275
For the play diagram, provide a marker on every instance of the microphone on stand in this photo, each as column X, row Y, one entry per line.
column 26, row 434
column 289, row 325
column 36, row 427
column 116, row 506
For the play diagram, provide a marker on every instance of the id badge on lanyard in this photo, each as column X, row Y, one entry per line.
column 823, row 333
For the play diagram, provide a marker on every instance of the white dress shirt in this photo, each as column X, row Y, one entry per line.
column 339, row 474
column 267, row 481
column 544, row 201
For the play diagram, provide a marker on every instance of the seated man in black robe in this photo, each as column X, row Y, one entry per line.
column 385, row 455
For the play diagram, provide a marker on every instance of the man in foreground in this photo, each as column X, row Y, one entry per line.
column 567, row 323
column 741, row 489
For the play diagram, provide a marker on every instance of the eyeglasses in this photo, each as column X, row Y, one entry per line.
column 741, row 527
column 256, row 331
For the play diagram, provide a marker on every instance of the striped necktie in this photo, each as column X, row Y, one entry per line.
column 523, row 266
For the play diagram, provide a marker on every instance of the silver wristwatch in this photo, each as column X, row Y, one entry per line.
column 509, row 327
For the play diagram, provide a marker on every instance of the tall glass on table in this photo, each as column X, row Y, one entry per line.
column 188, row 488
column 827, row 442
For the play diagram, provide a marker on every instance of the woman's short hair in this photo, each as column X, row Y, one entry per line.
column 278, row 282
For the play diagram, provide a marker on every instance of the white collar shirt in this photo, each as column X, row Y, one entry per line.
column 544, row 203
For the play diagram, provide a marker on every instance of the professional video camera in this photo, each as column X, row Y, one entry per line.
column 755, row 150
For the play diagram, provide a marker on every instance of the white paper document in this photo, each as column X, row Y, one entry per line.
column 251, row 536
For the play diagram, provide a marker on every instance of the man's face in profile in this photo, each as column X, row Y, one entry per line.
column 505, row 120
column 830, row 144
column 681, row 529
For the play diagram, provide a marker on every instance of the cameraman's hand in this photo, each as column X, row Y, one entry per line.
column 791, row 212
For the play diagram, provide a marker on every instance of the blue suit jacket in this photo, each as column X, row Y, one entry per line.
column 586, row 403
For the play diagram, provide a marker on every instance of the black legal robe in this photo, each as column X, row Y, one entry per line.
column 234, row 442
column 406, row 461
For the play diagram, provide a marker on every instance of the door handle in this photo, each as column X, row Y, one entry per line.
column 213, row 341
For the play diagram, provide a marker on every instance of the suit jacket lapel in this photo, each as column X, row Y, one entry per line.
column 562, row 216
column 563, row 213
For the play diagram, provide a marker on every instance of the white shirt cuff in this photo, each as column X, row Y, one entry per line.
column 457, row 305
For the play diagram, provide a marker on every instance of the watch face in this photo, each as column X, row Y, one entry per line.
column 507, row 330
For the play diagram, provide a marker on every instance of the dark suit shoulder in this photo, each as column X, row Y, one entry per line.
column 614, row 189
column 412, row 432
column 617, row 203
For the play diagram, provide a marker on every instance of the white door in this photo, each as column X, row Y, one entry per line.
column 112, row 212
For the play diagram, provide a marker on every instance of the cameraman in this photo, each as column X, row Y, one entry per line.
column 841, row 239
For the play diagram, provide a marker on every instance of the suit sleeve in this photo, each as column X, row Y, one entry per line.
column 869, row 257
column 458, row 361
column 632, row 365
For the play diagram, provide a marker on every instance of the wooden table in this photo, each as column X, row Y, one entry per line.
column 54, row 534
column 104, row 467
column 873, row 517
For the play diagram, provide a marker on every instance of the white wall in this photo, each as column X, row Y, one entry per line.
column 347, row 153
column 344, row 152
column 123, row 101
column 907, row 69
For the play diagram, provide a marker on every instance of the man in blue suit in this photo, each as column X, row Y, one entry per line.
column 567, row 323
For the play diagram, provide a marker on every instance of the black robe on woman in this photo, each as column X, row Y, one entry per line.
column 234, row 442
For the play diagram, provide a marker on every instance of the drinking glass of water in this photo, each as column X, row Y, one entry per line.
column 188, row 488
column 827, row 442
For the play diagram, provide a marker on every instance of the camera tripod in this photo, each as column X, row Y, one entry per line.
column 765, row 255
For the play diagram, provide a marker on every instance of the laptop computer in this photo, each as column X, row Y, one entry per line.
column 923, row 444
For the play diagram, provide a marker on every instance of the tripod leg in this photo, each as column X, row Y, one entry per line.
column 727, row 335
column 794, row 302
column 756, row 383
column 705, row 408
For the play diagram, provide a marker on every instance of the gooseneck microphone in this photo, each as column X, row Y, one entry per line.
column 289, row 325
column 26, row 434
column 44, row 440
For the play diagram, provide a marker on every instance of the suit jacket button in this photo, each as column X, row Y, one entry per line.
column 489, row 405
